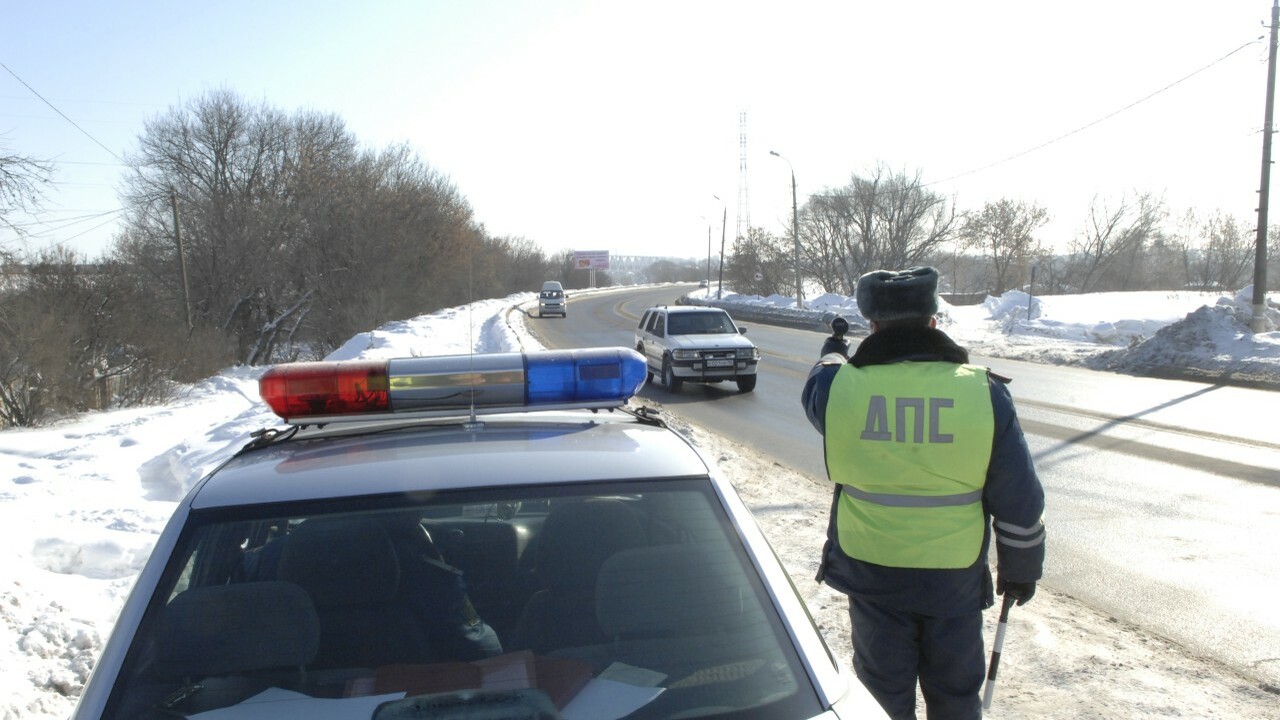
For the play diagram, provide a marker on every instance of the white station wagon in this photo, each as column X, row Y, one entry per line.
column 696, row 344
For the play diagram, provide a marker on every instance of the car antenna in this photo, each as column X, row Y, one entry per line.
column 472, row 423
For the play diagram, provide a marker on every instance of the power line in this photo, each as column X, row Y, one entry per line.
column 84, row 162
column 1095, row 122
column 86, row 232
column 110, row 215
column 64, row 115
column 110, row 218
column 66, row 222
column 7, row 96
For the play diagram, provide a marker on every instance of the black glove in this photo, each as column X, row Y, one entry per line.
column 1020, row 591
column 836, row 345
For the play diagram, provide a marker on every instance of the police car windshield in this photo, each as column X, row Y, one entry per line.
column 396, row 598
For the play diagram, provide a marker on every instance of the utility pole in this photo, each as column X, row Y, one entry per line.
column 1259, row 321
column 726, row 217
column 795, row 235
column 182, row 257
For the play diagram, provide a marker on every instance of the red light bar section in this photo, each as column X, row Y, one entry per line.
column 326, row 388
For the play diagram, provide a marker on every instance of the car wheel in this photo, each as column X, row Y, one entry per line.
column 669, row 378
column 746, row 383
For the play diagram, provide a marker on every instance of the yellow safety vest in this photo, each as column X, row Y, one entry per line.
column 909, row 443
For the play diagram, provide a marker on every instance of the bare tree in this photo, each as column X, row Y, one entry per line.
column 294, row 239
column 22, row 180
column 761, row 264
column 393, row 240
column 58, row 352
column 1272, row 251
column 516, row 264
column 669, row 271
column 1217, row 251
column 885, row 220
column 829, row 242
column 1004, row 231
column 1107, row 254
column 224, row 161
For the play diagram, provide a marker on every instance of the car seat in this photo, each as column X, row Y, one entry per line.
column 349, row 567
column 237, row 628
column 226, row 643
column 574, row 542
column 437, row 592
column 688, row 611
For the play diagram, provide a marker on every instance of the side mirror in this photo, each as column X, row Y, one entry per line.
column 742, row 330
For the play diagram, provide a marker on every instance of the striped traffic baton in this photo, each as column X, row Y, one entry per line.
column 995, row 650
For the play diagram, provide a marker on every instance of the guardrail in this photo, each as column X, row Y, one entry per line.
column 816, row 320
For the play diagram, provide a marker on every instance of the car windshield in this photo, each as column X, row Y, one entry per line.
column 700, row 323
column 638, row 597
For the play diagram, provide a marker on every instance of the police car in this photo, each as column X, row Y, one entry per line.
column 489, row 536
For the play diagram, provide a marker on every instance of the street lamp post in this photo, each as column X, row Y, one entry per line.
column 724, row 218
column 795, row 229
column 708, row 256
column 717, row 198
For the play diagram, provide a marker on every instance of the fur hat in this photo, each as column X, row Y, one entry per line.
column 885, row 295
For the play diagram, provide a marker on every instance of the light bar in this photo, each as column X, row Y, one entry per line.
column 452, row 384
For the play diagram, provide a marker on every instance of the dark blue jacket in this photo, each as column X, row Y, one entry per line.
column 1012, row 495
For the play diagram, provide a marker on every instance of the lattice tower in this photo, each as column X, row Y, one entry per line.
column 744, row 203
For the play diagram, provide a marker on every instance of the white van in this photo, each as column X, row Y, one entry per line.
column 552, row 300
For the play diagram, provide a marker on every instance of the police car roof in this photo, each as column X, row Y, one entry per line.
column 529, row 448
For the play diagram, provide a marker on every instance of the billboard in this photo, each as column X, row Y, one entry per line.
column 590, row 259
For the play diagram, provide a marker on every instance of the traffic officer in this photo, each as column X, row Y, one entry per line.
column 925, row 450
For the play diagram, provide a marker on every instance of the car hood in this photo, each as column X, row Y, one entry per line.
column 713, row 340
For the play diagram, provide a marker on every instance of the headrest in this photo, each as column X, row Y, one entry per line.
column 341, row 561
column 225, row 629
column 885, row 295
column 576, row 539
column 667, row 590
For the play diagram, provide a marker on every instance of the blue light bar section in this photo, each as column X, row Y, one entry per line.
column 587, row 375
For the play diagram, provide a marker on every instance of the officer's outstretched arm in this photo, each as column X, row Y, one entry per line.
column 1015, row 498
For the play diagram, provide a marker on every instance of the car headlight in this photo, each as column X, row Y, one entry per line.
column 685, row 354
column 749, row 353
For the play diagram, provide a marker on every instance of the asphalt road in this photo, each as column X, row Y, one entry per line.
column 1163, row 496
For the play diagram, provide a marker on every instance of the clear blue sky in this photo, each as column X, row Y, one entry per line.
column 600, row 125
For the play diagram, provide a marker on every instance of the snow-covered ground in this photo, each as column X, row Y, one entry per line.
column 84, row 500
column 1167, row 333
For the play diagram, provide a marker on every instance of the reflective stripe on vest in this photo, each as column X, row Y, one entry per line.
column 910, row 443
column 917, row 501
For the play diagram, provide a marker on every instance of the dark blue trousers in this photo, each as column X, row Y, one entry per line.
column 892, row 650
